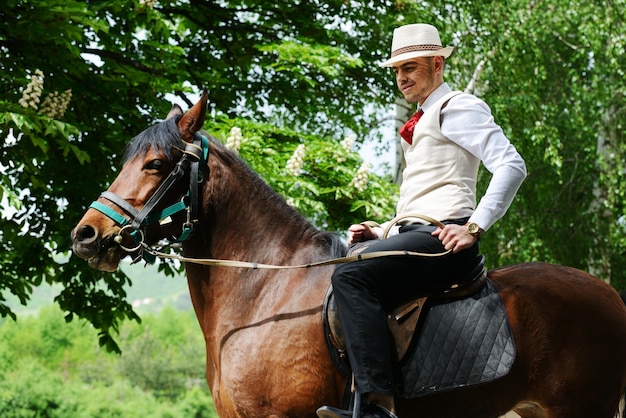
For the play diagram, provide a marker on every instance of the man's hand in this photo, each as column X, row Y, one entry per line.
column 360, row 233
column 454, row 237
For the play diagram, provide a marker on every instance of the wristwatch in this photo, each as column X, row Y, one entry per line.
column 474, row 230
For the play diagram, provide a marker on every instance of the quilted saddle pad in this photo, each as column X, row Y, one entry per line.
column 460, row 343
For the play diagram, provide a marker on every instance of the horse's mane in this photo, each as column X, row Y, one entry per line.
column 165, row 136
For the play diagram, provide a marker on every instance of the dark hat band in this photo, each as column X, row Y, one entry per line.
column 415, row 48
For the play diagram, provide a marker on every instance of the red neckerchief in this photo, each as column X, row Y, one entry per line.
column 406, row 132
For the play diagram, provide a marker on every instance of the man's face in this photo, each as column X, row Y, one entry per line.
column 417, row 77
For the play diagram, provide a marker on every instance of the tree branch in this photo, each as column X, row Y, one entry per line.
column 479, row 69
column 120, row 58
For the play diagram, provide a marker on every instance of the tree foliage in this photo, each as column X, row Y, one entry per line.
column 302, row 73
column 554, row 78
column 52, row 369
column 274, row 64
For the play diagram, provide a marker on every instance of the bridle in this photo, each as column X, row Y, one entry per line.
column 194, row 156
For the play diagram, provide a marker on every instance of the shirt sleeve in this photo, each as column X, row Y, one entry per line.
column 468, row 122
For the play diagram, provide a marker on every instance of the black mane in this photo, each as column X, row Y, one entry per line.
column 163, row 136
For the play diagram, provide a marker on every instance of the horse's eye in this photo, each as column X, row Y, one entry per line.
column 154, row 165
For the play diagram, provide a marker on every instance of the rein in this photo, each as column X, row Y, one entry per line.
column 258, row 266
column 340, row 260
column 195, row 155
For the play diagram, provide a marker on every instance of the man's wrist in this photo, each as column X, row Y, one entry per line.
column 474, row 229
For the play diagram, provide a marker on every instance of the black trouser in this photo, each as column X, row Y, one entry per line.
column 365, row 290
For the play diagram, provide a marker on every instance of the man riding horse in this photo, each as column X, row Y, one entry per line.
column 455, row 132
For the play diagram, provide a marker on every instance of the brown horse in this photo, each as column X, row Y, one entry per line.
column 265, row 344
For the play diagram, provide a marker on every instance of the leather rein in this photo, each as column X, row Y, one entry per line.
column 195, row 155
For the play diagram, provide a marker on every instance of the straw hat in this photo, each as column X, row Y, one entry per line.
column 413, row 41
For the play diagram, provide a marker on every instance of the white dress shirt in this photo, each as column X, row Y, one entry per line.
column 467, row 122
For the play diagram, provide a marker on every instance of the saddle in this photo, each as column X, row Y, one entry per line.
column 455, row 338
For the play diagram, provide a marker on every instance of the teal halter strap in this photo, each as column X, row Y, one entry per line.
column 120, row 219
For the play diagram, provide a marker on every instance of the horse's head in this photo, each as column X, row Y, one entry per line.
column 154, row 196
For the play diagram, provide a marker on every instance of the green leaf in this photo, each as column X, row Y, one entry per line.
column 40, row 143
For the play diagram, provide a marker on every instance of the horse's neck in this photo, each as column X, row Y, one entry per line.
column 250, row 222
column 254, row 229
column 261, row 235
column 240, row 310
column 244, row 220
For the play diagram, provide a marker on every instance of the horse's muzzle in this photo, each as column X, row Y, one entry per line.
column 102, row 254
column 85, row 241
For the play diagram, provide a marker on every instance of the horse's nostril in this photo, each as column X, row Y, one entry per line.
column 84, row 234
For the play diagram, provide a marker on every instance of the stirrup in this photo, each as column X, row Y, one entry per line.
column 330, row 412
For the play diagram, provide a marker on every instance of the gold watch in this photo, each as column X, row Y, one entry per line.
column 474, row 230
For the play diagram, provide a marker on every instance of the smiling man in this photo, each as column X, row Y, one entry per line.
column 443, row 143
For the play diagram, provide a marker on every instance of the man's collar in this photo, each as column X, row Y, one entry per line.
column 437, row 94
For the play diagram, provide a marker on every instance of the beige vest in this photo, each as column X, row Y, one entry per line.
column 440, row 177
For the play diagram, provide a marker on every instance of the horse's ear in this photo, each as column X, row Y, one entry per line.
column 176, row 111
column 192, row 121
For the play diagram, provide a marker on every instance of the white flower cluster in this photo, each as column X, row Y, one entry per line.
column 32, row 93
column 346, row 144
column 296, row 161
column 360, row 180
column 55, row 104
column 149, row 3
column 233, row 142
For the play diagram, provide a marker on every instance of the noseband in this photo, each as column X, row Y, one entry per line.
column 195, row 155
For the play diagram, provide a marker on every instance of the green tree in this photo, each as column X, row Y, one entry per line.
column 289, row 74
column 48, row 339
column 115, row 61
column 32, row 391
column 164, row 356
column 55, row 370
column 553, row 73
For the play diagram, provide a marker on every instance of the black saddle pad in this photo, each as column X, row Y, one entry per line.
column 461, row 343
